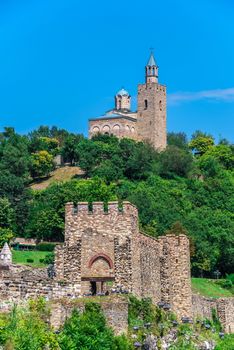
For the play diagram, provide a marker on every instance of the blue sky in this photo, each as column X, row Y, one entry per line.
column 62, row 61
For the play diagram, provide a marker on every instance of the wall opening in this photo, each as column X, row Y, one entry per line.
column 146, row 104
column 93, row 287
column 160, row 105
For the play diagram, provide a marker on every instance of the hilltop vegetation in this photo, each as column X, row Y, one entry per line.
column 188, row 188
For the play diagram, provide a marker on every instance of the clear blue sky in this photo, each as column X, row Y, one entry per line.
column 61, row 61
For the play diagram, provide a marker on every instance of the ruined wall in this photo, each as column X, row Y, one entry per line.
column 175, row 273
column 202, row 307
column 150, row 268
column 151, row 114
column 115, row 310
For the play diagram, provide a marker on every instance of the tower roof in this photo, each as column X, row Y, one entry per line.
column 152, row 61
column 122, row 92
column 5, row 250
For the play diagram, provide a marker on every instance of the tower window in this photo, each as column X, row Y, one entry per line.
column 160, row 105
column 146, row 104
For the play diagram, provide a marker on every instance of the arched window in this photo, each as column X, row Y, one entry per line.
column 96, row 130
column 101, row 256
column 146, row 104
column 116, row 129
column 106, row 129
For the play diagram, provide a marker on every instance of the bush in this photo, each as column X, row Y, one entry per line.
column 30, row 260
column 46, row 247
column 225, row 283
column 231, row 278
column 49, row 259
column 227, row 343
column 90, row 331
column 42, row 261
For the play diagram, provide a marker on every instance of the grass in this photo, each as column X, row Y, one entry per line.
column 21, row 256
column 61, row 174
column 209, row 288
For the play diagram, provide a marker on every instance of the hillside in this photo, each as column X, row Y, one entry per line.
column 210, row 288
column 61, row 174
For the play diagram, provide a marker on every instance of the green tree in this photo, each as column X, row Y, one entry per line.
column 26, row 329
column 177, row 139
column 224, row 154
column 69, row 149
column 6, row 235
column 175, row 161
column 177, row 229
column 89, row 331
column 42, row 164
column 201, row 143
column 6, row 213
column 45, row 223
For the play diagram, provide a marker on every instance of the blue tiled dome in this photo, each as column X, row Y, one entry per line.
column 122, row 92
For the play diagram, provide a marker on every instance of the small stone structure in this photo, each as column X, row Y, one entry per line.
column 5, row 255
column 148, row 123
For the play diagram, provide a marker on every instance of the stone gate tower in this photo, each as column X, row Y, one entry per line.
column 151, row 114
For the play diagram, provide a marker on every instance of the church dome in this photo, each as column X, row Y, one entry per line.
column 122, row 92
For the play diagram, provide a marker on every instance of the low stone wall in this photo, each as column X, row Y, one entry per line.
column 202, row 307
column 115, row 310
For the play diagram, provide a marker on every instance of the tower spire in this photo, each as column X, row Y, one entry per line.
column 151, row 70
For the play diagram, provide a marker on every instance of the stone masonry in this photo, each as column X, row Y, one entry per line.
column 104, row 252
column 104, row 248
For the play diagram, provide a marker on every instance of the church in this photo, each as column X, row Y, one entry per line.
column 148, row 123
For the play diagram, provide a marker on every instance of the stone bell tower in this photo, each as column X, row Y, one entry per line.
column 151, row 114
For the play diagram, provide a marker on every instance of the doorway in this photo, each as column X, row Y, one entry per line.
column 93, row 287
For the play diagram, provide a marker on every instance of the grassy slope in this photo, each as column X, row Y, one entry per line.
column 209, row 288
column 21, row 256
column 61, row 174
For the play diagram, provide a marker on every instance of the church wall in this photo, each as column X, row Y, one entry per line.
column 118, row 127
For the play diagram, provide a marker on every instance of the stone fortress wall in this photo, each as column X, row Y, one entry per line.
column 104, row 251
column 106, row 246
column 224, row 307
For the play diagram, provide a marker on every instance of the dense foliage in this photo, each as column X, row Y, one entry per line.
column 188, row 188
column 28, row 328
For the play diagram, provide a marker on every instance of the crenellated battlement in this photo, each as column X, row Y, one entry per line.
column 100, row 208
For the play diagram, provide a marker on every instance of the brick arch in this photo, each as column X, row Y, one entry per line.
column 103, row 256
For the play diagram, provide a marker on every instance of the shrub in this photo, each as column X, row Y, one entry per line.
column 49, row 259
column 225, row 283
column 231, row 278
column 42, row 261
column 46, row 247
column 90, row 331
column 29, row 260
